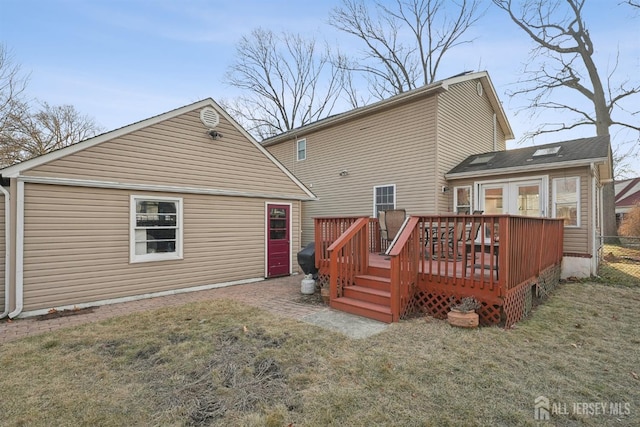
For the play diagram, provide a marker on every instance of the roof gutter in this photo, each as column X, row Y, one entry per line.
column 519, row 169
column 7, row 251
column 19, row 249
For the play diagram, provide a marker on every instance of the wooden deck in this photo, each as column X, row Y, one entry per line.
column 504, row 266
column 447, row 267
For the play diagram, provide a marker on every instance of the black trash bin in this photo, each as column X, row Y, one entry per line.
column 307, row 259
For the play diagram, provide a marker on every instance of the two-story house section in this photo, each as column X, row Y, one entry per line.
column 393, row 154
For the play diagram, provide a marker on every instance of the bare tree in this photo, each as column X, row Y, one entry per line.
column 12, row 86
column 405, row 43
column 564, row 60
column 289, row 82
column 30, row 134
column 565, row 47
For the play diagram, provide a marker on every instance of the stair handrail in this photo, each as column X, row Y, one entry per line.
column 352, row 247
column 404, row 252
column 395, row 239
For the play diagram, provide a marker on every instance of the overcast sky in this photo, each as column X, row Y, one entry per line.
column 121, row 61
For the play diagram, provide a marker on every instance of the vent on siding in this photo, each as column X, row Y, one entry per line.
column 209, row 117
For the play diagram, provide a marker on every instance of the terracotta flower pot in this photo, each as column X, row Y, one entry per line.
column 463, row 319
column 325, row 294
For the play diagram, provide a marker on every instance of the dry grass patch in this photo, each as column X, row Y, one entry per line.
column 222, row 363
column 620, row 264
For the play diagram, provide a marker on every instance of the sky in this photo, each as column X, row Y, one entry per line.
column 121, row 61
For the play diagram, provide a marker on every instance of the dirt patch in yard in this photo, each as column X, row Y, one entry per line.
column 313, row 299
column 239, row 377
column 54, row 314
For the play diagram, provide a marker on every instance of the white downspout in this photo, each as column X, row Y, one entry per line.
column 495, row 132
column 7, row 251
column 19, row 249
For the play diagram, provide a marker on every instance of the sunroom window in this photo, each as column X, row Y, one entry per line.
column 566, row 200
column 156, row 229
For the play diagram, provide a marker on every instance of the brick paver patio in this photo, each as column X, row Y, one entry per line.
column 280, row 296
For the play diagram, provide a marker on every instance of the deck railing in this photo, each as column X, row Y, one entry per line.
column 533, row 244
column 326, row 231
column 405, row 255
column 485, row 256
column 348, row 255
column 441, row 257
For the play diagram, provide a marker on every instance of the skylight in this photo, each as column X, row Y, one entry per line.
column 482, row 159
column 546, row 151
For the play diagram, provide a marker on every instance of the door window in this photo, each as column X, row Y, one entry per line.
column 513, row 197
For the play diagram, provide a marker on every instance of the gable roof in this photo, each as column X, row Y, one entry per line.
column 627, row 192
column 424, row 91
column 17, row 169
column 563, row 154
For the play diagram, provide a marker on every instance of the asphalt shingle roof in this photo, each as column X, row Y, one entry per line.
column 576, row 150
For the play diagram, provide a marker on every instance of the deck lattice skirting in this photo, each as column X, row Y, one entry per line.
column 508, row 283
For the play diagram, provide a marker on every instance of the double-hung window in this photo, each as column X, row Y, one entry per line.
column 156, row 228
column 302, row 149
column 566, row 200
column 384, row 198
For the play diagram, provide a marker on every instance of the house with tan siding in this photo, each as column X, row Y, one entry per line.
column 557, row 180
column 435, row 150
column 182, row 201
column 393, row 153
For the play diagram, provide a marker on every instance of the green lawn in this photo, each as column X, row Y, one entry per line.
column 222, row 363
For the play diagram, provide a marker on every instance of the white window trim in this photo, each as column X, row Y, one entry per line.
column 578, row 191
column 455, row 198
column 133, row 258
column 298, row 142
column 375, row 213
column 505, row 183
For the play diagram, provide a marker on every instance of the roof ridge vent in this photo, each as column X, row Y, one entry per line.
column 209, row 117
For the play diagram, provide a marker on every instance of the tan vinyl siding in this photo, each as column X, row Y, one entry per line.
column 411, row 146
column 177, row 152
column 76, row 245
column 576, row 239
column 394, row 146
column 2, row 252
column 465, row 127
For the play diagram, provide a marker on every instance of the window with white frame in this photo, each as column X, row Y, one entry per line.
column 384, row 198
column 156, row 228
column 566, row 200
column 462, row 200
column 302, row 149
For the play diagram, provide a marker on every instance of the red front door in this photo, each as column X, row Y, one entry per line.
column 278, row 240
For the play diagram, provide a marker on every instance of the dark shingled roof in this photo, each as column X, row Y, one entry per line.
column 576, row 150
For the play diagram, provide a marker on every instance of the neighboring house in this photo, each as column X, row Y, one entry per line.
column 627, row 196
column 185, row 200
column 558, row 180
column 393, row 153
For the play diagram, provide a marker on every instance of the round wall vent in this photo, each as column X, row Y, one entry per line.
column 209, row 117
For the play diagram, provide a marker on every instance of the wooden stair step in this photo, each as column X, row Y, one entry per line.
column 374, row 282
column 378, row 271
column 363, row 308
column 365, row 293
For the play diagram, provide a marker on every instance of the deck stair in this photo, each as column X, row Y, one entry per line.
column 369, row 296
